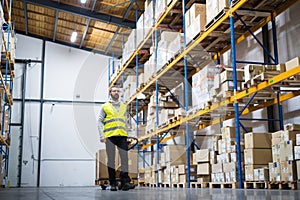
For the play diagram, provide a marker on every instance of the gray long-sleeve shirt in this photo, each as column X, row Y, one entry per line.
column 102, row 116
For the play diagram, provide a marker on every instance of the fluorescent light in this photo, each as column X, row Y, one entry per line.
column 83, row 1
column 73, row 36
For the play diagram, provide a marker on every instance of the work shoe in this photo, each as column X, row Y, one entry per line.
column 113, row 188
column 128, row 186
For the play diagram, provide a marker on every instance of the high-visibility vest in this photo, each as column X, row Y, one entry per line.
column 114, row 122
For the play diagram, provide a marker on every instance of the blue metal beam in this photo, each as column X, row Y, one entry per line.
column 112, row 39
column 84, row 13
column 128, row 9
column 87, row 25
column 55, row 25
column 26, row 17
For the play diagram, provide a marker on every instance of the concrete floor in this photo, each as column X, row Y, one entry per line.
column 83, row 193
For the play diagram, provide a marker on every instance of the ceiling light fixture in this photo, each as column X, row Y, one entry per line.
column 73, row 36
column 83, row 1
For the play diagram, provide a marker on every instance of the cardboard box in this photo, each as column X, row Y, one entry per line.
column 212, row 157
column 203, row 169
column 280, row 68
column 203, row 179
column 258, row 140
column 276, row 141
column 217, row 168
column 297, row 152
column 194, row 159
column 292, row 127
column 227, row 75
column 274, row 171
column 298, row 169
column 298, row 139
column 275, row 153
column 277, row 134
column 288, row 135
column 257, row 156
column 295, row 62
column 175, row 154
column 263, row 174
column 196, row 10
column 288, row 171
column 223, row 4
column 286, row 150
column 202, row 155
column 229, row 167
column 249, row 171
column 181, row 169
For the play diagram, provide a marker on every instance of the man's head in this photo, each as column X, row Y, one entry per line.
column 114, row 93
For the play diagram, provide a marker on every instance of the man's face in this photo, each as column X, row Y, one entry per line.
column 115, row 93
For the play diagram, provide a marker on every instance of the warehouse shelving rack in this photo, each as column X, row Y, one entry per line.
column 6, row 79
column 239, row 10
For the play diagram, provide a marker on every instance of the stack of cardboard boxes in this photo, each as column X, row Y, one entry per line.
column 101, row 164
column 214, row 7
column 223, row 157
column 257, row 155
column 201, row 159
column 283, row 167
column 297, row 155
column 195, row 20
column 2, row 170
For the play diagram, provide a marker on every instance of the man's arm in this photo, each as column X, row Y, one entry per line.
column 102, row 116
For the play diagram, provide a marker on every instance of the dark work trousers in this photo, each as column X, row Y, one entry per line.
column 121, row 143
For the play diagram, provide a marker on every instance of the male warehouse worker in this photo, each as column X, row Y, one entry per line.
column 112, row 129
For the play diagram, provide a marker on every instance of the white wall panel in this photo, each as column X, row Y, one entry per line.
column 30, row 144
column 73, row 74
column 28, row 48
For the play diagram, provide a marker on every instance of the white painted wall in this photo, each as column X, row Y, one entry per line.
column 69, row 133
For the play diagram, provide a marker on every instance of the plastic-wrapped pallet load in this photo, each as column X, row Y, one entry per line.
column 202, row 82
column 148, row 18
column 140, row 32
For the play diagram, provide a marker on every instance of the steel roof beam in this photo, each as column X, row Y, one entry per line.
column 84, row 13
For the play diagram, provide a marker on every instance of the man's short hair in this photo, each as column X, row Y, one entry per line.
column 110, row 89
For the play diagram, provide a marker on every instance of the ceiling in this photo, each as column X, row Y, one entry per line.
column 101, row 25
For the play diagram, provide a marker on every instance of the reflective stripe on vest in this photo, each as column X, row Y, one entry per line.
column 114, row 122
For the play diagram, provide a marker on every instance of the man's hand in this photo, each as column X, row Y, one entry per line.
column 102, row 139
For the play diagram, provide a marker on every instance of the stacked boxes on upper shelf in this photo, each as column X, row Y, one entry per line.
column 257, row 155
column 214, row 7
column 195, row 20
column 283, row 167
column 202, row 82
column 223, row 84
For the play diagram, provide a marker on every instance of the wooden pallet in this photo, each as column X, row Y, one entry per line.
column 153, row 185
column 216, row 18
column 179, row 185
column 256, row 185
column 282, row 185
column 263, row 77
column 166, row 185
column 223, row 185
column 199, row 185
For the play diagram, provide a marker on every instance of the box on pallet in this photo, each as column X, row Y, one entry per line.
column 195, row 20
column 227, row 75
column 274, row 171
column 298, row 169
column 175, row 154
column 217, row 168
column 292, row 127
column 288, row 171
column 249, row 171
column 202, row 155
column 212, row 157
column 160, row 8
column 297, row 152
column 286, row 150
column 203, row 169
column 261, row 174
column 257, row 140
column 257, row 156
column 275, row 153
column 295, row 62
